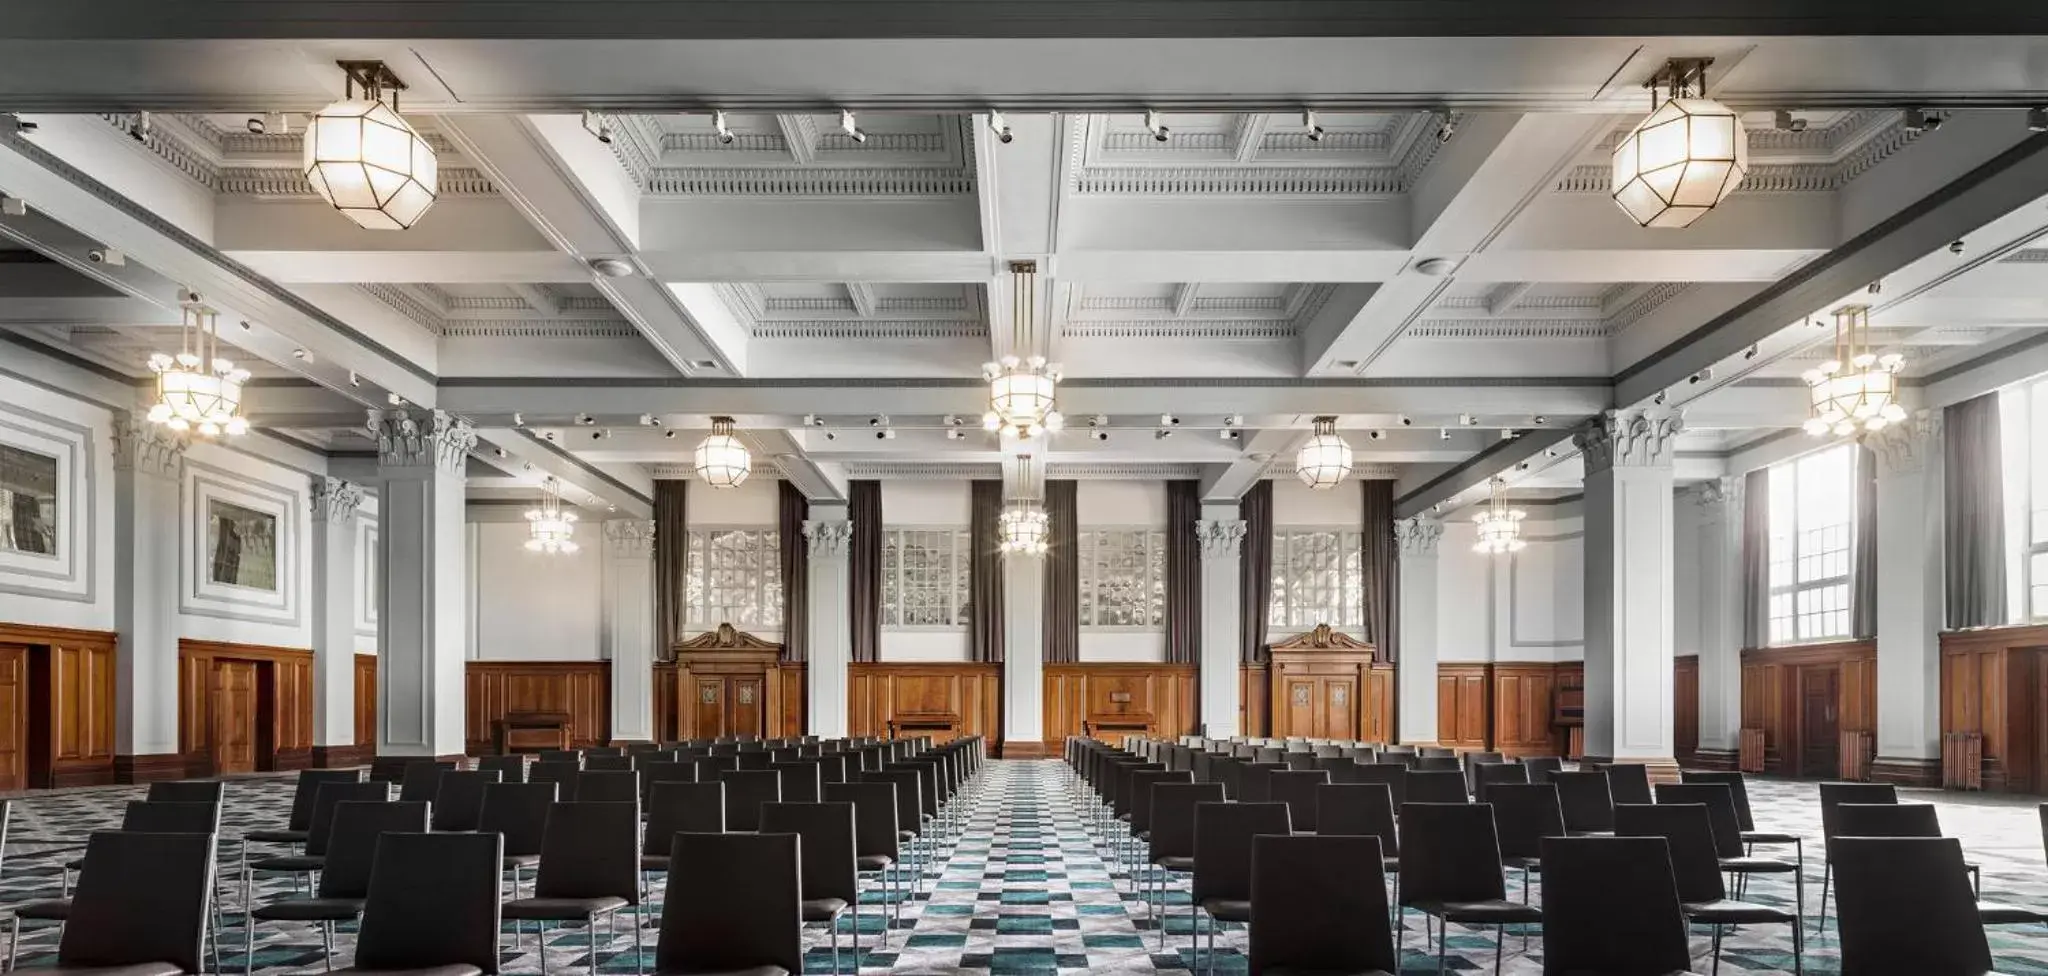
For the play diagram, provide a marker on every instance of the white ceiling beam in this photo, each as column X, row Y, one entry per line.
column 1248, row 135
column 822, row 481
column 1229, row 482
column 800, row 137
column 1184, row 298
column 633, row 496
column 1416, row 493
column 862, row 296
column 537, row 299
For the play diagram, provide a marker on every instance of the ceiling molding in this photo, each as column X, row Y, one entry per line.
column 219, row 160
column 1644, row 301
column 1407, row 148
column 1113, row 471
column 445, row 321
column 868, row 329
column 835, row 167
column 924, row 471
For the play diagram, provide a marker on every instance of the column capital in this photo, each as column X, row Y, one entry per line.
column 1220, row 538
column 1418, row 536
column 335, row 500
column 412, row 438
column 1714, row 495
column 146, row 448
column 828, row 539
column 629, row 537
column 1635, row 438
column 1907, row 446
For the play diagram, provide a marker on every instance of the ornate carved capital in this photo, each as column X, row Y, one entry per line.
column 1418, row 536
column 828, row 540
column 1644, row 438
column 1907, row 446
column 146, row 448
column 1714, row 495
column 335, row 500
column 408, row 438
column 629, row 537
column 1219, row 538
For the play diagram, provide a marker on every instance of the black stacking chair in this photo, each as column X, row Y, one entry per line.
column 138, row 817
column 606, row 752
column 1686, row 829
column 1327, row 751
column 608, row 786
column 1610, row 908
column 1720, row 804
column 170, row 807
column 664, row 771
column 1269, row 754
column 830, row 882
column 1523, row 815
column 1140, row 810
column 345, row 879
column 518, row 813
column 1318, row 906
column 1485, row 776
column 1360, row 810
column 1438, row 764
column 607, row 764
column 1628, row 782
column 876, row 847
column 1436, row 752
column 754, row 760
column 1450, row 870
column 754, row 928
column 433, row 906
column 1906, row 908
column 121, row 926
column 304, row 791
column 745, row 791
column 1541, row 767
column 1297, row 789
column 1392, row 775
column 1222, row 885
column 709, row 767
column 1172, row 844
column 1300, row 760
column 1230, row 773
column 187, row 791
column 589, row 867
column 909, row 814
column 1436, row 786
column 801, row 781
column 422, row 780
column 1341, row 770
column 510, row 769
column 1587, row 803
column 389, row 769
column 1921, row 820
column 1474, row 760
column 1361, row 755
column 561, row 755
column 314, row 855
column 562, row 773
column 460, row 803
column 1833, row 795
column 677, row 808
column 1751, row 836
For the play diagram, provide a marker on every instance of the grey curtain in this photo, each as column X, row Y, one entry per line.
column 1183, row 574
column 1062, row 574
column 671, row 564
column 1973, row 535
column 864, row 509
column 793, row 510
column 1380, row 600
column 1863, row 575
column 1255, row 572
column 984, row 572
column 1756, row 558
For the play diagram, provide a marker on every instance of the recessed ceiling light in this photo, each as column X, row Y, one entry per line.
column 612, row 267
column 703, row 364
column 1436, row 267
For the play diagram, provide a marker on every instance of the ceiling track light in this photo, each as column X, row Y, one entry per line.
column 1000, row 126
column 2037, row 119
column 848, row 125
column 1783, row 121
column 1446, row 126
column 1156, row 125
column 718, row 125
column 955, row 434
column 1308, row 122
column 599, row 129
column 1918, row 120
column 1467, row 420
column 1443, row 433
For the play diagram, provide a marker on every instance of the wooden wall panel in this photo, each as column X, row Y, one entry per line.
column 1991, row 685
column 582, row 689
column 1254, row 698
column 366, row 703
column 793, row 681
column 1685, row 706
column 1077, row 692
column 59, row 704
column 665, row 702
column 283, row 687
column 879, row 691
column 14, row 694
column 1464, row 706
column 1521, row 709
column 1772, row 679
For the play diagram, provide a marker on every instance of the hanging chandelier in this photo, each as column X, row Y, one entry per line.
column 1325, row 460
column 196, row 390
column 362, row 157
column 1024, row 528
column 549, row 529
column 1021, row 391
column 1500, row 527
column 1686, row 157
column 722, row 461
column 1857, row 389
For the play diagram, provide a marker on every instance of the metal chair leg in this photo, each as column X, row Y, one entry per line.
column 591, row 922
column 327, row 944
column 1825, row 870
column 1717, row 952
column 13, row 940
column 1442, row 945
column 1500, row 938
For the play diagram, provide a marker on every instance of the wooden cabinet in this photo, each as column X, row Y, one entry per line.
column 732, row 683
column 1326, row 685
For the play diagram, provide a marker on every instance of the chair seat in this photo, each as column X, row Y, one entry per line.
column 44, row 909
column 310, row 910
column 654, row 862
column 1757, row 865
column 906, row 835
column 275, row 836
column 1390, row 865
column 132, row 969
column 293, row 864
column 1483, row 912
column 75, row 864
column 1729, row 912
column 1175, row 862
column 1769, row 837
column 1589, row 833
column 456, row 969
column 1228, row 909
column 1991, row 914
column 1533, row 865
column 521, row 861
column 823, row 909
column 553, row 909
column 873, row 862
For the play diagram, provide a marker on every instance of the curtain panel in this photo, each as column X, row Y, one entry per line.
column 1973, row 530
column 1255, row 576
column 1381, row 600
column 1756, row 558
column 1062, row 574
column 864, row 510
column 1183, row 574
column 671, row 564
column 793, row 509
column 984, row 572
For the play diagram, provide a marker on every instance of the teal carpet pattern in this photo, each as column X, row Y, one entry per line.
column 1026, row 888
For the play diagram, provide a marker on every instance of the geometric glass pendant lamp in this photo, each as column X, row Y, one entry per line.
column 364, row 160
column 1685, row 157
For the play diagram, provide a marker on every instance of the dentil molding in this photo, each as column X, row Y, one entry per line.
column 1220, row 538
column 146, row 448
column 629, row 537
column 1907, row 446
column 335, row 500
column 422, row 438
column 1418, row 536
column 1639, row 438
column 828, row 539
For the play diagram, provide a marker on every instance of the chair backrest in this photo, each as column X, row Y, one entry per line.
column 307, row 789
column 433, row 902
column 562, row 755
column 604, row 752
column 1328, row 751
column 591, row 850
column 1173, row 816
column 352, row 846
column 1904, row 906
column 835, row 768
column 460, row 803
column 1340, row 768
column 1257, row 781
column 1449, row 853
column 1301, row 760
column 1524, row 814
column 422, row 780
column 1436, row 786
column 518, row 812
column 1362, row 755
column 1142, row 784
column 186, row 791
column 682, row 808
column 801, row 781
column 1223, row 845
column 1297, row 789
column 1318, row 903
column 667, row 771
column 827, row 832
column 733, row 927
column 608, row 786
column 1737, row 789
column 607, row 764
column 561, row 772
column 1628, row 782
column 1269, row 754
column 1474, row 760
column 1886, row 820
column 331, row 794
column 1394, row 775
column 1436, row 752
column 1684, row 826
column 1437, row 764
column 1485, row 776
column 510, row 769
column 1610, row 906
column 1358, row 810
column 874, row 816
column 1588, row 806
column 909, row 799
column 754, row 759
column 745, row 791
column 1720, row 806
column 159, row 817
column 1833, row 795
column 140, row 898
column 708, row 767
column 1541, row 767
column 388, row 769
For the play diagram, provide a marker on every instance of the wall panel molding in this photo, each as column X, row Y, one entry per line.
column 582, row 689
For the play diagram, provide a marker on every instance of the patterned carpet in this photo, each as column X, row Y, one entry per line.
column 1025, row 889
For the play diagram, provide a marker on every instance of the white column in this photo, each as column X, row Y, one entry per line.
column 335, row 564
column 422, row 624
column 147, row 465
column 1719, row 602
column 629, row 625
column 1220, row 533
column 1630, row 630
column 829, row 536
column 1023, row 655
column 1909, row 599
column 1415, row 709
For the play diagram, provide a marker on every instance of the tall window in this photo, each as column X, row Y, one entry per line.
column 924, row 577
column 2023, row 460
column 1813, row 525
column 1318, row 578
column 1123, row 578
column 734, row 577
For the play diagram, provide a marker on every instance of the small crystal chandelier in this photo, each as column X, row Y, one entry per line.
column 1021, row 392
column 1686, row 157
column 722, row 461
column 549, row 529
column 1325, row 460
column 1500, row 527
column 196, row 390
column 364, row 159
column 1024, row 528
column 1856, row 389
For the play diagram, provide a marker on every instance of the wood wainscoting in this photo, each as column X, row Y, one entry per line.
column 1254, row 696
column 56, row 707
column 1326, row 685
column 1685, row 708
column 1803, row 697
column 366, row 705
column 1464, row 705
column 878, row 693
column 580, row 689
column 1522, row 694
column 244, row 708
column 1994, row 682
column 1160, row 696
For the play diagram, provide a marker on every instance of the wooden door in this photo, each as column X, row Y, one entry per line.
column 14, row 717
column 711, row 718
column 746, row 701
column 1820, row 738
column 233, row 712
column 1300, row 713
column 1340, row 709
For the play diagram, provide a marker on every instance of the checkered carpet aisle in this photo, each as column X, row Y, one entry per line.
column 1026, row 890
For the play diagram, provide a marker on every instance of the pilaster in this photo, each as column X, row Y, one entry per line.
column 828, row 537
column 423, row 582
column 1909, row 599
column 629, row 626
column 1220, row 534
column 1417, row 540
column 1718, row 504
column 335, row 580
column 148, row 463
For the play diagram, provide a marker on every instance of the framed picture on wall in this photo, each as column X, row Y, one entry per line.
column 47, row 480
column 240, row 542
column 241, row 546
column 29, row 508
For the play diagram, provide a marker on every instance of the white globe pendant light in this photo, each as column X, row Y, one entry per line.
column 722, row 461
column 1325, row 460
column 1685, row 158
column 365, row 160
